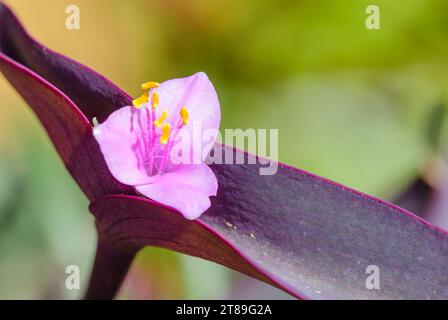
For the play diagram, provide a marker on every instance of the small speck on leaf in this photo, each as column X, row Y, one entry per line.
column 231, row 226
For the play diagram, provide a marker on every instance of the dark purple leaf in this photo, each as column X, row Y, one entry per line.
column 50, row 83
column 312, row 237
column 93, row 94
column 307, row 235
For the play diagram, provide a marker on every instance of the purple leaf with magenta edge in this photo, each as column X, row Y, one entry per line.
column 302, row 233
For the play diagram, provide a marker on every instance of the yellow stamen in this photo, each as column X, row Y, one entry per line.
column 150, row 85
column 184, row 115
column 140, row 100
column 166, row 129
column 158, row 122
column 155, row 100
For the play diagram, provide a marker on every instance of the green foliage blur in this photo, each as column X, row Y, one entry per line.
column 351, row 104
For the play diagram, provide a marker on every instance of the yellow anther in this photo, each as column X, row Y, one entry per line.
column 158, row 123
column 155, row 100
column 140, row 100
column 150, row 85
column 166, row 129
column 184, row 115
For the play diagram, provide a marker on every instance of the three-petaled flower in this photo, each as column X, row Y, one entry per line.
column 137, row 140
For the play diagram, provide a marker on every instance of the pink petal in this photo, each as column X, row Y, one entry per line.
column 188, row 189
column 121, row 141
column 198, row 95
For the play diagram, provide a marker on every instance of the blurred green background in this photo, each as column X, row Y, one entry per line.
column 351, row 104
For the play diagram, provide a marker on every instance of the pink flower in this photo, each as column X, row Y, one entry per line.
column 136, row 142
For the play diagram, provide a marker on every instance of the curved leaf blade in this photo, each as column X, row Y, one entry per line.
column 312, row 237
column 66, row 125
column 95, row 95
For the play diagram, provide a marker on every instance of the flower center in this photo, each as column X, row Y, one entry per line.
column 159, row 135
